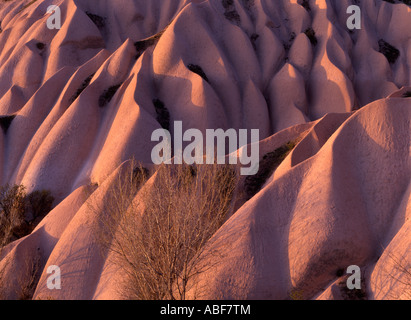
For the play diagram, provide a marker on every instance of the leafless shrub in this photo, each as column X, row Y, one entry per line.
column 393, row 278
column 20, row 213
column 28, row 282
column 15, row 204
column 401, row 274
column 2, row 289
column 157, row 232
column 12, row 208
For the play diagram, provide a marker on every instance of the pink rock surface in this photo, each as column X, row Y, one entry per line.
column 341, row 197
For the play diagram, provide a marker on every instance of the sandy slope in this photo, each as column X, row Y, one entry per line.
column 339, row 198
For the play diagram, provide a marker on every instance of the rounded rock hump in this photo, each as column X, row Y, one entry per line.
column 332, row 106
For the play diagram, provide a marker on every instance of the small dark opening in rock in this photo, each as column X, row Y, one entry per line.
column 40, row 45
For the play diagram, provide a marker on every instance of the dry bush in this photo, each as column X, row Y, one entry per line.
column 15, row 207
column 28, row 282
column 393, row 277
column 158, row 232
column 20, row 213
column 39, row 204
column 402, row 268
column 2, row 289
column 12, row 208
column 268, row 164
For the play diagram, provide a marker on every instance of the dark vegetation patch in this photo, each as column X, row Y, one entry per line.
column 100, row 22
column 40, row 203
column 253, row 40
column 107, row 95
column 140, row 174
column 142, row 45
column 306, row 5
column 197, row 69
column 389, row 51
column 292, row 37
column 340, row 272
column 192, row 170
column 287, row 45
column 407, row 94
column 163, row 115
column 83, row 86
column 27, row 5
column 352, row 294
column 231, row 13
column 5, row 122
column 310, row 33
column 30, row 278
column 233, row 16
column 20, row 213
column 267, row 166
column 227, row 4
column 248, row 4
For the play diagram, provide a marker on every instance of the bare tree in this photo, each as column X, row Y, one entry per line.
column 28, row 281
column 400, row 275
column 21, row 212
column 393, row 277
column 12, row 207
column 2, row 289
column 157, row 229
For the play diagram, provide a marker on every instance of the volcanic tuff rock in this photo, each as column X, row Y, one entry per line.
column 77, row 103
